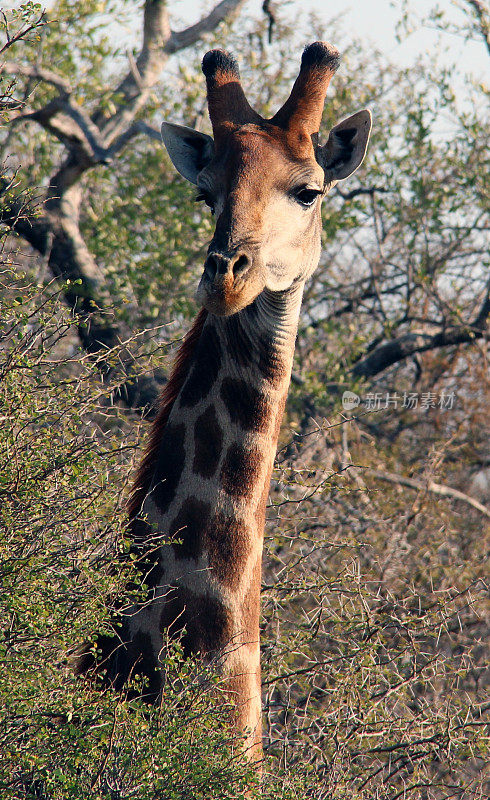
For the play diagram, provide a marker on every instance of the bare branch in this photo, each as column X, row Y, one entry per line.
column 408, row 344
column 224, row 10
column 71, row 125
column 369, row 190
column 269, row 10
column 158, row 43
column 143, row 73
column 430, row 486
column 135, row 129
column 39, row 73
column 353, row 303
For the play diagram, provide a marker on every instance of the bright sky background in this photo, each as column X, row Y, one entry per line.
column 370, row 20
column 375, row 20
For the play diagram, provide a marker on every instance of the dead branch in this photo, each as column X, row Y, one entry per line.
column 137, row 128
column 369, row 190
column 430, row 486
column 270, row 12
column 70, row 125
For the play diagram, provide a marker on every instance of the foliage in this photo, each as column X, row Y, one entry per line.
column 65, row 456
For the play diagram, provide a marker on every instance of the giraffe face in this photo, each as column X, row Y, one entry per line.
column 265, row 192
column 264, row 180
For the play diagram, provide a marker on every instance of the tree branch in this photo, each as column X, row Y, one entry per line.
column 159, row 42
column 142, row 74
column 91, row 140
column 71, row 125
column 138, row 127
column 430, row 486
column 59, row 240
column 40, row 73
column 23, row 32
column 353, row 304
column 369, row 190
column 408, row 344
column 270, row 12
column 227, row 9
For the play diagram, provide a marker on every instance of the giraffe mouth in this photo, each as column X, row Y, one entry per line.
column 225, row 296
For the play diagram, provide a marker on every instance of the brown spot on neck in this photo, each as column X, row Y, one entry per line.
column 202, row 622
column 169, row 465
column 240, row 470
column 188, row 527
column 271, row 363
column 208, row 443
column 228, row 543
column 238, row 339
column 205, row 369
column 247, row 406
column 225, row 540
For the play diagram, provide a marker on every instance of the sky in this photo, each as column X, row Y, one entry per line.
column 375, row 20
column 369, row 20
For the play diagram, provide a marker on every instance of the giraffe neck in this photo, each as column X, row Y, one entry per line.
column 209, row 490
column 218, row 446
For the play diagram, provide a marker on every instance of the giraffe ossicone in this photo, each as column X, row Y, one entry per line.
column 204, row 479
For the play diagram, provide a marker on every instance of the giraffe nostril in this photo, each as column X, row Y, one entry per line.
column 218, row 265
column 211, row 267
column 241, row 264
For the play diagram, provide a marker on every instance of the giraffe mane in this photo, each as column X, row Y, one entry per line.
column 180, row 370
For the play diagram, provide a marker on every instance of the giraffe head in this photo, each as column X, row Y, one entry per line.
column 264, row 180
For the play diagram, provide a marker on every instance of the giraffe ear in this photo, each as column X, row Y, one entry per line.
column 346, row 146
column 188, row 149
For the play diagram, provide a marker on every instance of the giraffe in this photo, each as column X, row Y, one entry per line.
column 204, row 479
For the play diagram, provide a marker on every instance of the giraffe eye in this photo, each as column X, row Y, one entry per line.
column 306, row 197
column 205, row 198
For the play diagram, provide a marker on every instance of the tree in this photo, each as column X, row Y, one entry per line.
column 94, row 133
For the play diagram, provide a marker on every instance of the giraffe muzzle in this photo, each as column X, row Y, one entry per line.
column 229, row 282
